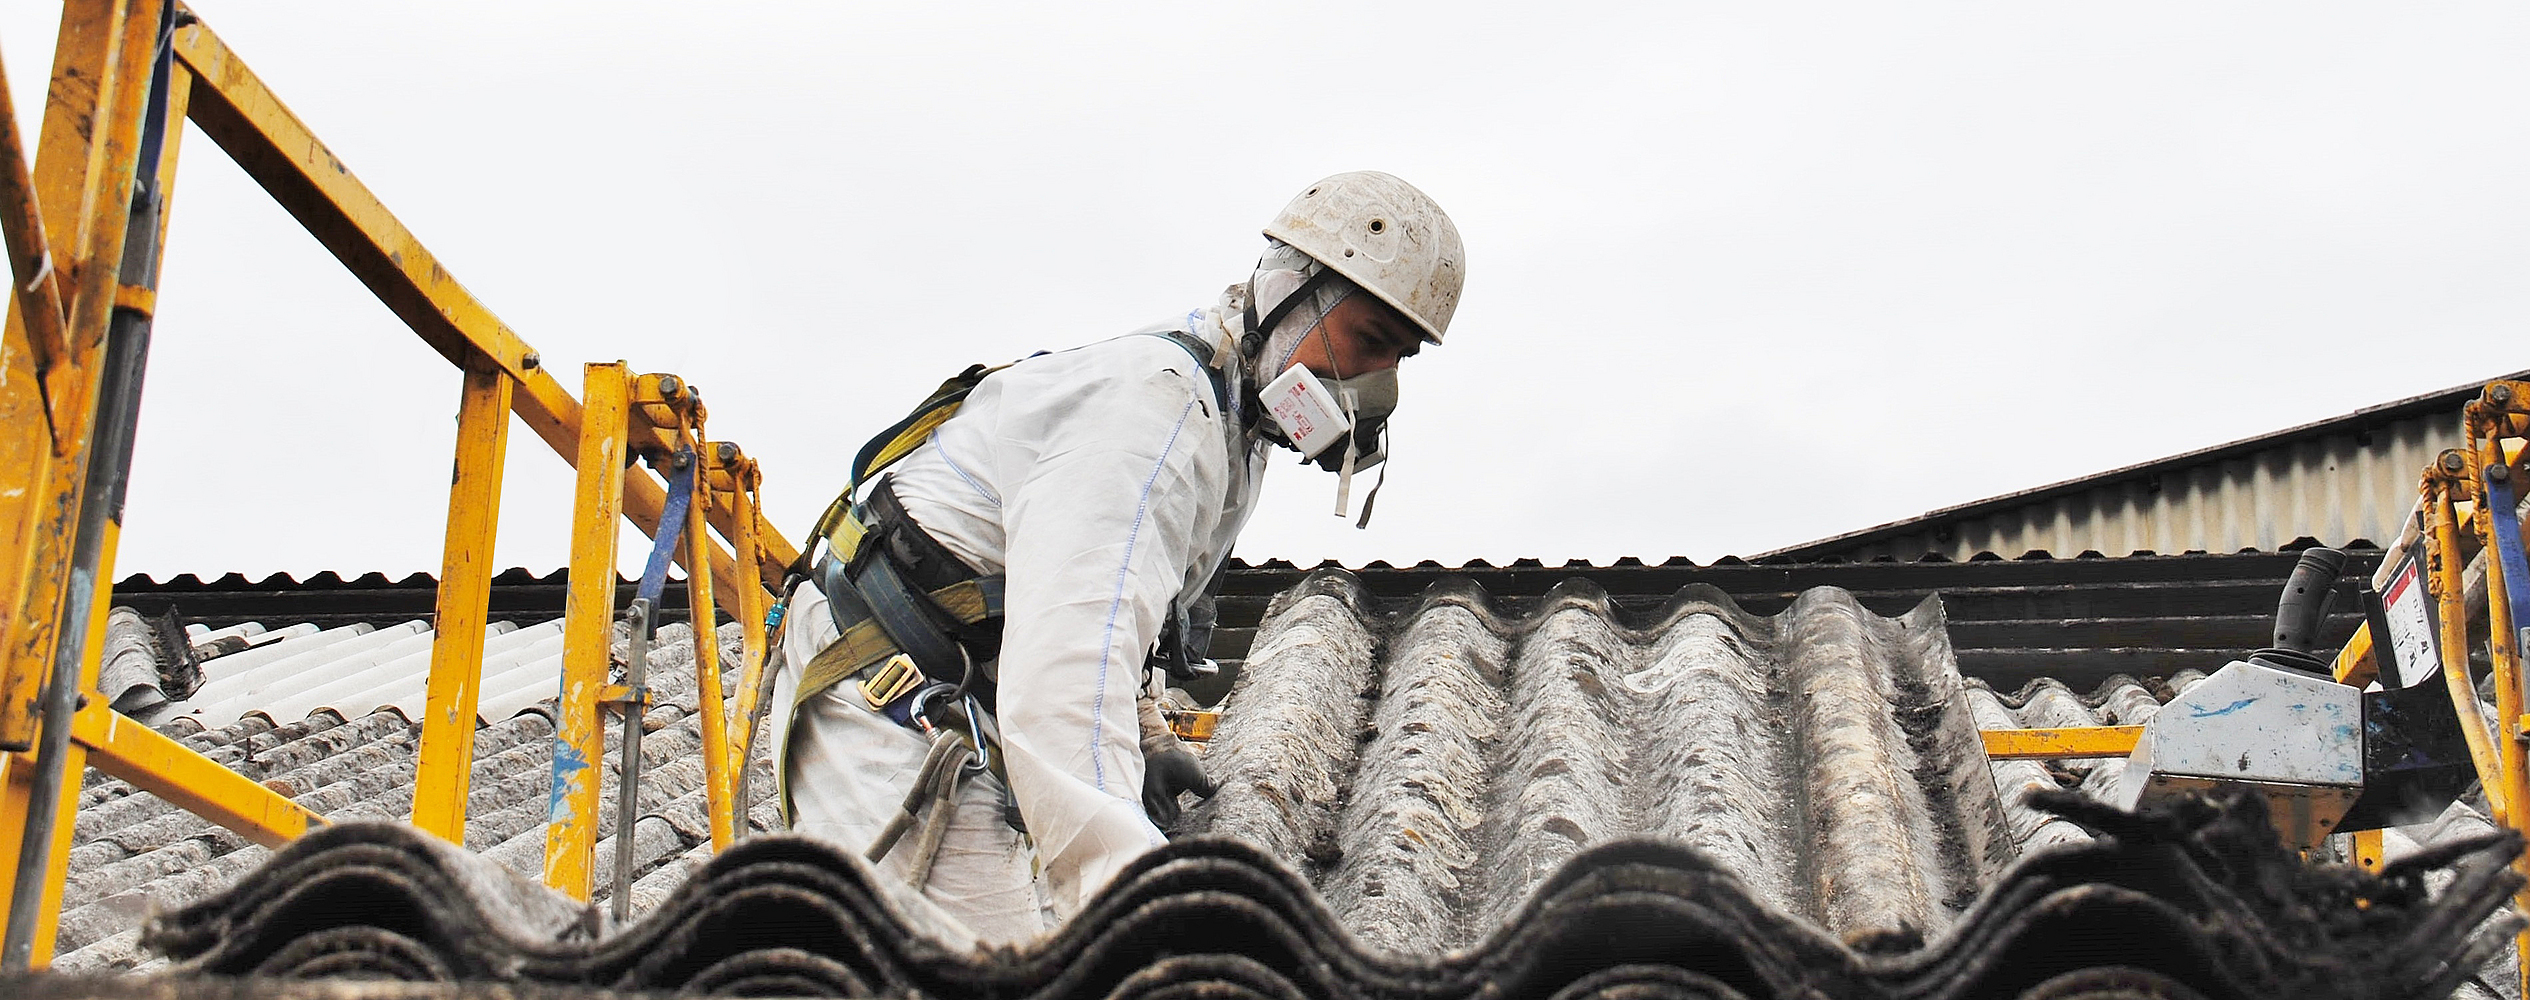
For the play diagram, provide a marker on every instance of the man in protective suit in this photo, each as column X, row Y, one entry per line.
column 1094, row 494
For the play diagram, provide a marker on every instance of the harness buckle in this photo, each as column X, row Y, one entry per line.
column 895, row 679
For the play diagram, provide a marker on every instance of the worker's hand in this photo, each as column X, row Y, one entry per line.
column 1166, row 773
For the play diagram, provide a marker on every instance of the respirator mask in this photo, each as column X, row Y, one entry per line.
column 1339, row 425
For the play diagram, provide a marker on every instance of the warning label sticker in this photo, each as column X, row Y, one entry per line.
column 2410, row 624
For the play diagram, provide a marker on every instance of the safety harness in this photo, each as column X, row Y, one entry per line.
column 915, row 621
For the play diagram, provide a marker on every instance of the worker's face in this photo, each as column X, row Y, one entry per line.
column 1360, row 335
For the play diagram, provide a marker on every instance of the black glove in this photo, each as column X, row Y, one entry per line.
column 1164, row 775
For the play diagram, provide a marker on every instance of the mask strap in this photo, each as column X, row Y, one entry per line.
column 1373, row 499
column 1352, row 425
column 1252, row 343
column 1344, row 476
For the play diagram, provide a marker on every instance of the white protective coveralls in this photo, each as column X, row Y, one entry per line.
column 1107, row 484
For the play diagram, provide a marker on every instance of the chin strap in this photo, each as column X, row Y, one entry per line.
column 1252, row 342
column 1344, row 478
column 1373, row 499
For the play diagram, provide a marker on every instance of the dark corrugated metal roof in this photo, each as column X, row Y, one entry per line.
column 2357, row 425
column 2077, row 617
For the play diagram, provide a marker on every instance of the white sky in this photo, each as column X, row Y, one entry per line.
column 1739, row 275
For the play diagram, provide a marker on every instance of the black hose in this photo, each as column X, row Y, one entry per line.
column 2302, row 610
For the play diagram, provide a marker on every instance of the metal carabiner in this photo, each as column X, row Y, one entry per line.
column 975, row 734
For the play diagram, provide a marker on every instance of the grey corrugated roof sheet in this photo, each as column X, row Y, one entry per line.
column 2191, row 903
column 1451, row 801
column 327, row 717
column 1426, row 766
column 1428, row 772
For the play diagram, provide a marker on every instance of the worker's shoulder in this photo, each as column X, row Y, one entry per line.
column 1132, row 373
column 1132, row 357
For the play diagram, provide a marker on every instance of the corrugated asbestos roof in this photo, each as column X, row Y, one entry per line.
column 1430, row 773
column 1419, row 793
column 2341, row 479
column 328, row 718
column 2178, row 906
column 1428, row 798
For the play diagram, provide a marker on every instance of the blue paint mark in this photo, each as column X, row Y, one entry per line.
column 567, row 765
column 2207, row 713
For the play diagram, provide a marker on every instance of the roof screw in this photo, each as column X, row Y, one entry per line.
column 531, row 361
column 728, row 451
column 2452, row 461
column 2499, row 394
column 670, row 387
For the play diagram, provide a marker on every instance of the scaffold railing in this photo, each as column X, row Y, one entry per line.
column 84, row 219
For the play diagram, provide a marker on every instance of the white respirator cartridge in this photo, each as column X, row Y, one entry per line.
column 1305, row 410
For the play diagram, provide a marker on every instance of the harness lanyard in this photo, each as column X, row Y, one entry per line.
column 654, row 575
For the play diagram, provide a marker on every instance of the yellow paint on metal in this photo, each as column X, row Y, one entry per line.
column 17, row 787
column 1192, row 724
column 718, row 789
column 588, row 629
column 621, row 694
column 173, row 771
column 38, row 275
column 2071, row 741
column 2355, row 663
column 48, row 514
column 2442, row 583
column 752, row 604
column 86, row 156
column 465, row 593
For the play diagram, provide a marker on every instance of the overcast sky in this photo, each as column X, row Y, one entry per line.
column 1739, row 275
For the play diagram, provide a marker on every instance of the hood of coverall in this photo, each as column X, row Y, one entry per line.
column 1281, row 273
column 1366, row 399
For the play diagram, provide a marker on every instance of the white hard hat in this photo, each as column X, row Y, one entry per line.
column 1384, row 235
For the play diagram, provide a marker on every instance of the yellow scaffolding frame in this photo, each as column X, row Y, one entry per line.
column 65, row 220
